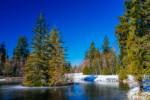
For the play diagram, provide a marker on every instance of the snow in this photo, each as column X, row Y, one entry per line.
column 77, row 77
column 2, row 80
column 133, row 94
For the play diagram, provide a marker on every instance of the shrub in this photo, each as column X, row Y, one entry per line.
column 106, row 71
column 86, row 71
column 123, row 74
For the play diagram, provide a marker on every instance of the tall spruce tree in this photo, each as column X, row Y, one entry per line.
column 92, row 51
column 57, row 60
column 92, row 56
column 20, row 55
column 138, row 41
column 3, row 57
column 97, row 53
column 86, row 56
column 105, row 46
column 21, row 49
column 122, row 31
column 36, row 64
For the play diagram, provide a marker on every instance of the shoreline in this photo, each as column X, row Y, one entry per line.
column 134, row 94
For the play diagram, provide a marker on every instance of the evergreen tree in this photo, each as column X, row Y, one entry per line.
column 92, row 51
column 122, row 31
column 7, row 71
column 140, row 15
column 138, row 57
column 92, row 56
column 86, row 71
column 21, row 49
column 86, row 56
column 36, row 66
column 57, row 60
column 3, row 57
column 137, row 45
column 105, row 46
column 68, row 66
column 20, row 55
column 97, row 53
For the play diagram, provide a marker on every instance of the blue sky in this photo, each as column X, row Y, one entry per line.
column 80, row 21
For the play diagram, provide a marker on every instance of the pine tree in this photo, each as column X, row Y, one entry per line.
column 36, row 66
column 122, row 31
column 3, row 57
column 92, row 56
column 97, row 53
column 68, row 67
column 86, row 71
column 92, row 51
column 105, row 46
column 138, row 57
column 21, row 49
column 7, row 71
column 20, row 55
column 138, row 42
column 86, row 56
column 57, row 61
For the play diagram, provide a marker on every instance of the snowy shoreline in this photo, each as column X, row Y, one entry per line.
column 77, row 77
column 134, row 94
column 2, row 79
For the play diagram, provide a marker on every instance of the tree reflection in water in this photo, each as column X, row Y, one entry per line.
column 81, row 91
column 123, row 86
column 46, row 94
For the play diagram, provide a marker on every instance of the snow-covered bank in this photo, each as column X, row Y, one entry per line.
column 77, row 77
column 2, row 79
column 134, row 94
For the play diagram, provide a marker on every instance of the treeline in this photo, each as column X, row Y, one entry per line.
column 97, row 62
column 16, row 65
column 45, row 65
column 133, row 34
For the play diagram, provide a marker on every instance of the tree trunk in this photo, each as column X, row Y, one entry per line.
column 141, row 85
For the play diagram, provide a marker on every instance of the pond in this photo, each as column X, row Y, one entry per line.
column 77, row 91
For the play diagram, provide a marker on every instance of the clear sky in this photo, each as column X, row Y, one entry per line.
column 80, row 21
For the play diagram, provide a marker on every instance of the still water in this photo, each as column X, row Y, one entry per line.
column 78, row 91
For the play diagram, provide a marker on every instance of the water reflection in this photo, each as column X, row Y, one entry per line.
column 81, row 91
column 123, row 86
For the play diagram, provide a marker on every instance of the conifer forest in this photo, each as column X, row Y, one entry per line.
column 43, row 60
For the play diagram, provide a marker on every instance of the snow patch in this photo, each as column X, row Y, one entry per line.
column 77, row 77
column 2, row 80
column 134, row 94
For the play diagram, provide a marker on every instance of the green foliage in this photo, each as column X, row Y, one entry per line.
column 106, row 71
column 3, row 57
column 47, row 66
column 105, row 46
column 123, row 74
column 138, row 56
column 20, row 55
column 21, row 49
column 57, row 60
column 58, row 76
column 97, row 53
column 86, row 71
column 37, row 64
column 7, row 71
column 92, row 51
column 123, row 86
column 134, row 39
column 86, row 56
column 34, row 72
column 68, row 66
column 98, row 61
